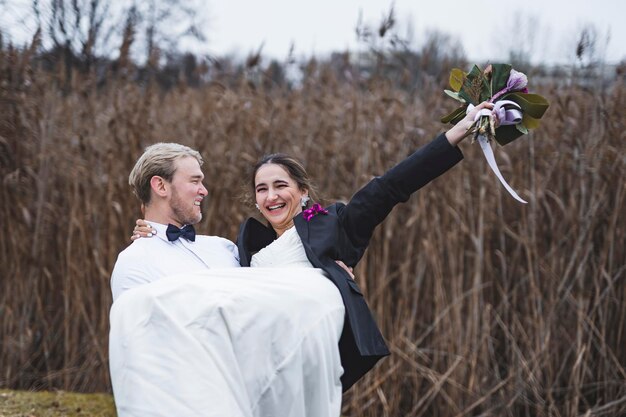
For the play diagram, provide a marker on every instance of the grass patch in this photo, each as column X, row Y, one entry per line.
column 55, row 404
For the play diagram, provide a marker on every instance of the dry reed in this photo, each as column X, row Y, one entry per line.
column 490, row 307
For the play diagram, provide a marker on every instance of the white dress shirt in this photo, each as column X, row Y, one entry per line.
column 150, row 259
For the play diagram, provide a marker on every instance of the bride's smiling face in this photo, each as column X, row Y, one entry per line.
column 278, row 196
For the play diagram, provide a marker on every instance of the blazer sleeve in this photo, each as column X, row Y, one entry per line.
column 372, row 203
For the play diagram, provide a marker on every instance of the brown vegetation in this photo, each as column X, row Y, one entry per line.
column 490, row 307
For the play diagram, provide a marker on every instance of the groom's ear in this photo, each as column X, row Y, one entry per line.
column 159, row 186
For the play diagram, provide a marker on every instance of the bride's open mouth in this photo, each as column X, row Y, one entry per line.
column 276, row 207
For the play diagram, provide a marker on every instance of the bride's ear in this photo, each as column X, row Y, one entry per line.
column 304, row 198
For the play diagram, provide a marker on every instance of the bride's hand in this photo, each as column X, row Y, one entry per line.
column 142, row 229
column 463, row 129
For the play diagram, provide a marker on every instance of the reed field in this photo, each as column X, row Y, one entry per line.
column 490, row 307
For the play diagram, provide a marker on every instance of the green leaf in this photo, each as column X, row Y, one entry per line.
column 533, row 104
column 499, row 76
column 507, row 134
column 455, row 116
column 475, row 87
column 457, row 76
column 458, row 118
column 454, row 95
column 521, row 128
column 530, row 122
column 465, row 96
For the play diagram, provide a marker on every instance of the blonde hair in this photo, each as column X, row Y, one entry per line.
column 158, row 160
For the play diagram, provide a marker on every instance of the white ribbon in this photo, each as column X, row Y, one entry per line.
column 505, row 117
column 491, row 160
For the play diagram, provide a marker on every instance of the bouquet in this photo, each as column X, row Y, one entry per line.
column 516, row 110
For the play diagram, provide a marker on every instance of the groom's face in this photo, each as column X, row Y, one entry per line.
column 187, row 192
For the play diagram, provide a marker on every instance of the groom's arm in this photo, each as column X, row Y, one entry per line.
column 129, row 271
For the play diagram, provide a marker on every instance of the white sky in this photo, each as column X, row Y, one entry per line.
column 483, row 26
column 487, row 29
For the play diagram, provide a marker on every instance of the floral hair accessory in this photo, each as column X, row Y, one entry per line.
column 515, row 109
column 308, row 214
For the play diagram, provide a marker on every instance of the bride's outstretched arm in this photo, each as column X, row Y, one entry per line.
column 372, row 204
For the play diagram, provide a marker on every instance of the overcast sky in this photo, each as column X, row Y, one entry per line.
column 547, row 30
column 484, row 27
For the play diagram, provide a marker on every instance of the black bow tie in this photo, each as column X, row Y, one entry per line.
column 173, row 232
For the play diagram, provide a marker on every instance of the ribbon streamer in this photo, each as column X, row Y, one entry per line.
column 491, row 160
column 505, row 116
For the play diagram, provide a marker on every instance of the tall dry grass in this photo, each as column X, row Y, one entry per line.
column 490, row 307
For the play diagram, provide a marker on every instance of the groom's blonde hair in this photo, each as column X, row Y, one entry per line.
column 158, row 160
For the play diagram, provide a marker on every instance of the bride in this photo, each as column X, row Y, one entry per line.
column 285, row 337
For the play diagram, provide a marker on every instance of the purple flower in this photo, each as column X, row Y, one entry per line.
column 309, row 213
column 517, row 82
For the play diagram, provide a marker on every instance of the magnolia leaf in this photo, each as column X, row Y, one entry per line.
column 458, row 118
column 533, row 104
column 521, row 128
column 472, row 86
column 506, row 134
column 457, row 76
column 530, row 122
column 454, row 95
column 455, row 116
column 465, row 96
column 485, row 88
column 499, row 76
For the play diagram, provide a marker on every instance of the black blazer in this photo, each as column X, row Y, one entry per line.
column 344, row 233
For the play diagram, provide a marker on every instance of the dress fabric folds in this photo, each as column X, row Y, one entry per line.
column 237, row 342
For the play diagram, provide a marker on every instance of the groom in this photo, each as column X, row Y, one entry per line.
column 167, row 179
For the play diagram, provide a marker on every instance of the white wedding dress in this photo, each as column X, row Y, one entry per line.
column 236, row 342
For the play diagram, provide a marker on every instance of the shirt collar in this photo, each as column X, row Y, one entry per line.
column 160, row 229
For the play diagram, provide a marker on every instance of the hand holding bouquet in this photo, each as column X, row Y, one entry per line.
column 514, row 112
